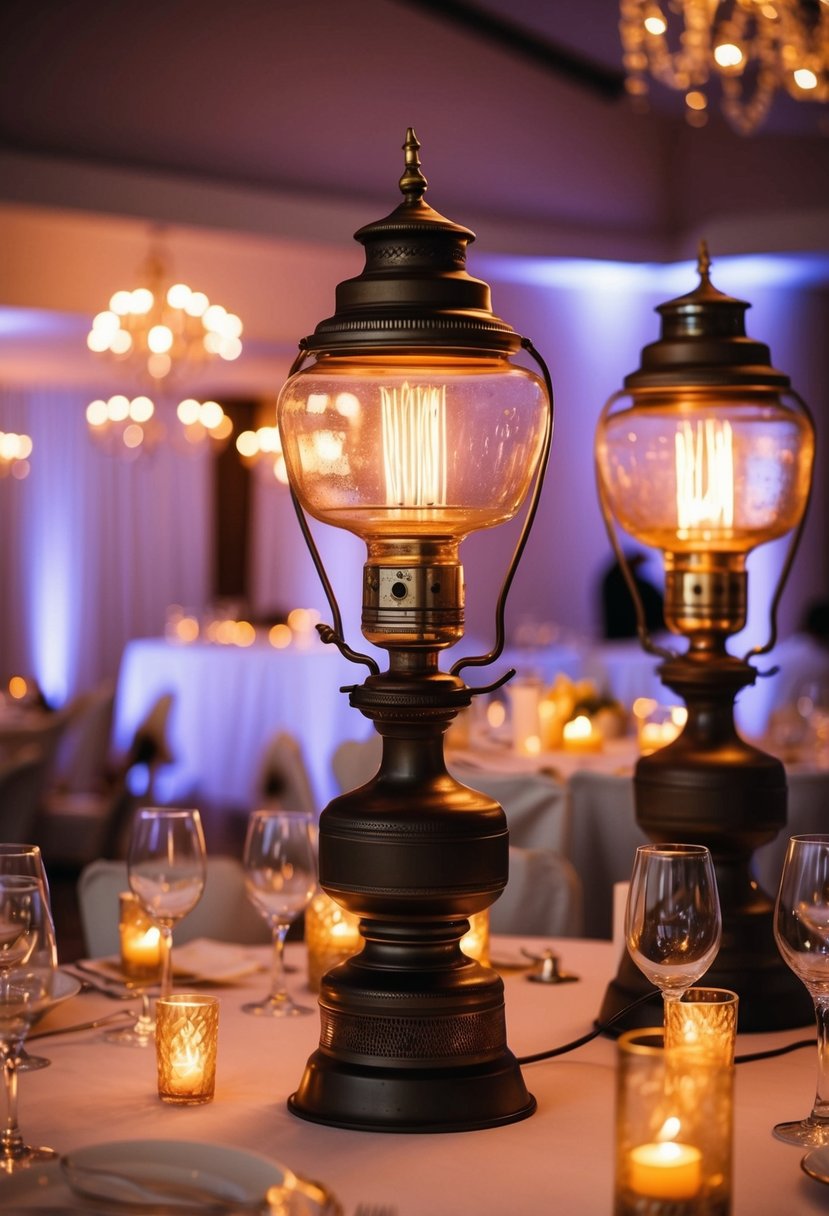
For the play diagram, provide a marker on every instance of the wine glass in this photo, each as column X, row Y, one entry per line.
column 801, row 930
column 26, row 859
column 167, row 868
column 280, row 877
column 29, row 985
column 672, row 921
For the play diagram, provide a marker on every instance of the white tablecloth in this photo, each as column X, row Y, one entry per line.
column 229, row 702
column 559, row 1160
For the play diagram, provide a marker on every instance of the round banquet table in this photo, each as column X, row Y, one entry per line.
column 559, row 1160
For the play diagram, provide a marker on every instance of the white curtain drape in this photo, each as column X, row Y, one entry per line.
column 92, row 548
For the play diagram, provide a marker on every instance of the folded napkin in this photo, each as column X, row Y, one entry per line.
column 201, row 960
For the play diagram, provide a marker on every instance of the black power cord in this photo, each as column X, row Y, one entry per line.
column 600, row 1028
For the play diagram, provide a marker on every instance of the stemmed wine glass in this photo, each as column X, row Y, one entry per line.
column 167, row 868
column 801, row 930
column 280, row 877
column 26, row 859
column 29, row 985
column 672, row 921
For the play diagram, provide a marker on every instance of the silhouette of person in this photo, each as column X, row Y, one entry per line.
column 618, row 611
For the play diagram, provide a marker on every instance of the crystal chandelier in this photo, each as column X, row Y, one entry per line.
column 164, row 332
column 751, row 47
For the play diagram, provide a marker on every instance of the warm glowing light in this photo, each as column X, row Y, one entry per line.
column 18, row 688
column 244, row 633
column 141, row 409
column 105, row 321
column 141, row 300
column 196, row 304
column 247, row 444
column 159, row 365
column 211, row 414
column 728, row 55
column 414, row 445
column 496, row 714
column 120, row 342
column 97, row 413
column 805, row 78
column 696, row 100
column 133, row 435
column 118, row 408
column 187, row 411
column 279, row 636
column 704, row 477
column 665, row 1170
column 160, row 339
column 655, row 24
column 178, row 295
column 98, row 340
column 120, row 303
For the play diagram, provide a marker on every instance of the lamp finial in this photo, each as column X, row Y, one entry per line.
column 703, row 261
column 413, row 184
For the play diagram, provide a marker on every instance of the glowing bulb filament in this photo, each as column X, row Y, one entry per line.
column 414, row 445
column 704, row 476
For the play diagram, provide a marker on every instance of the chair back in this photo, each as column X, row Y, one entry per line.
column 604, row 840
column 543, row 898
column 356, row 761
column 283, row 780
column 224, row 912
column 84, row 753
column 22, row 783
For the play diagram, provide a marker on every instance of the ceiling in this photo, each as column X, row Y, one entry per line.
column 262, row 132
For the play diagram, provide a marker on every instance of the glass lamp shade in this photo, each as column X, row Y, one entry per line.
column 714, row 470
column 415, row 445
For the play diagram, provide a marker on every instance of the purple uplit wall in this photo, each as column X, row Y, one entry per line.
column 93, row 550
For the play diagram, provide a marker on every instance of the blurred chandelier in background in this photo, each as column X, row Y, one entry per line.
column 751, row 47
column 164, row 332
column 15, row 451
column 261, row 449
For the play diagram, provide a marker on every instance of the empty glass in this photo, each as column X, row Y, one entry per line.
column 801, row 930
column 167, row 868
column 673, row 923
column 29, row 985
column 281, row 877
column 26, row 859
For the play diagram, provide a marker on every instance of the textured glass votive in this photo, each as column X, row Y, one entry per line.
column 674, row 1130
column 186, row 1036
column 705, row 1020
column 140, row 940
column 332, row 934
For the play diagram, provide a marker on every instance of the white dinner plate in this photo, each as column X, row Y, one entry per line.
column 134, row 1174
column 816, row 1163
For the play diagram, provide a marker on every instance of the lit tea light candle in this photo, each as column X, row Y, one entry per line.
column 187, row 1028
column 579, row 735
column 332, row 934
column 665, row 1170
column 140, row 940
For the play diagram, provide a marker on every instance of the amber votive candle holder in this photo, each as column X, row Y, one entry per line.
column 674, row 1129
column 186, row 1039
column 704, row 1021
column 140, row 940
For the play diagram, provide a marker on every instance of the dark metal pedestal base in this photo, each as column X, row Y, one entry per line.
column 394, row 1100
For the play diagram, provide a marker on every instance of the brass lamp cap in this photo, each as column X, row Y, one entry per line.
column 703, row 343
column 414, row 290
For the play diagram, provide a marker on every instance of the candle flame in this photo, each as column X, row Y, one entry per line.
column 670, row 1129
column 578, row 728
